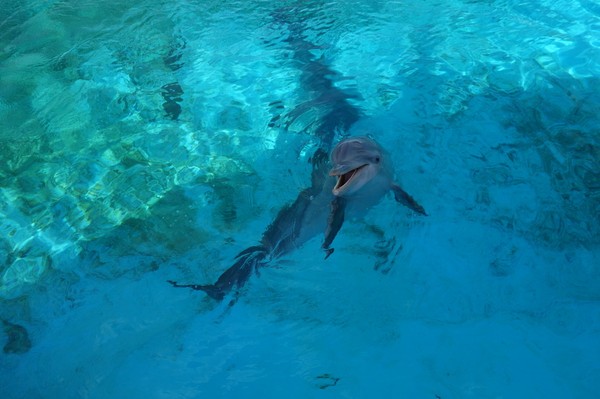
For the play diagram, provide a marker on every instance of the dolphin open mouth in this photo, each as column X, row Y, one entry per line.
column 345, row 178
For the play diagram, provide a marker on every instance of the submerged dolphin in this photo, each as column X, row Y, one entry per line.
column 360, row 176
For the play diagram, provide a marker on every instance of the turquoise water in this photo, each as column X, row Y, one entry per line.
column 142, row 142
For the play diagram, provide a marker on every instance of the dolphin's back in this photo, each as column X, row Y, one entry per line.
column 306, row 217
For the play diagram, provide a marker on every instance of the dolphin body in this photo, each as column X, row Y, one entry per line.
column 360, row 176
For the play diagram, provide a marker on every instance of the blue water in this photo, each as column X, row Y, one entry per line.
column 149, row 141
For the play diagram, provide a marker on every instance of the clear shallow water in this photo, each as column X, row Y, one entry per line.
column 154, row 141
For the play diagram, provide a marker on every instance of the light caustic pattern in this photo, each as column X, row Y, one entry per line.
column 138, row 134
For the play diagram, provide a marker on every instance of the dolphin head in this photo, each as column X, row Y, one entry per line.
column 356, row 161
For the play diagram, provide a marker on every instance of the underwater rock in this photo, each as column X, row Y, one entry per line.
column 18, row 338
column 27, row 270
column 61, row 114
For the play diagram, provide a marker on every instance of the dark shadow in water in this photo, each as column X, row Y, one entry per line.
column 336, row 113
column 18, row 339
column 172, row 92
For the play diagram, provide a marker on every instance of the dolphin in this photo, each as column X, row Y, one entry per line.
column 364, row 174
column 361, row 174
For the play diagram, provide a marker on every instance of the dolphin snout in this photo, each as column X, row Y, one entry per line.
column 339, row 170
column 342, row 169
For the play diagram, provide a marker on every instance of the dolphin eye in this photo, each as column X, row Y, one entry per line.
column 376, row 159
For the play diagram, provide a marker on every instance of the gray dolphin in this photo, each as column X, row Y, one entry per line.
column 364, row 174
column 360, row 176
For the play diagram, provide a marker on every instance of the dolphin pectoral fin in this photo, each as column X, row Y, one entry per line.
column 334, row 224
column 328, row 252
column 405, row 199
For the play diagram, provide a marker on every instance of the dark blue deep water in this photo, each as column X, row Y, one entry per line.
column 146, row 141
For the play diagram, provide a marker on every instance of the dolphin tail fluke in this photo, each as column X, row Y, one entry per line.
column 236, row 276
column 212, row 290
